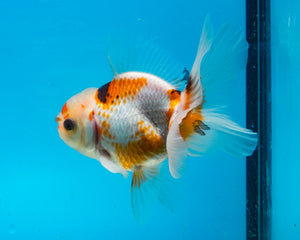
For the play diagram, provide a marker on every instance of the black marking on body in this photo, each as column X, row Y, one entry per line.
column 102, row 92
column 154, row 109
column 158, row 120
column 200, row 127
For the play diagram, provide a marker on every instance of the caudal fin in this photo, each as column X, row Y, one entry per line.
column 194, row 130
column 205, row 131
column 220, row 133
column 192, row 95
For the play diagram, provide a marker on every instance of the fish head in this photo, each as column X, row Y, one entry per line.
column 76, row 123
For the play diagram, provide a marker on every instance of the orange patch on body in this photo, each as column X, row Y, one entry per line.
column 186, row 127
column 91, row 115
column 121, row 89
column 105, row 132
column 66, row 116
column 64, row 109
column 105, row 126
column 135, row 152
column 174, row 97
column 140, row 122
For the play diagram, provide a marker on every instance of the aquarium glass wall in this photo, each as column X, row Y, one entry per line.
column 286, row 116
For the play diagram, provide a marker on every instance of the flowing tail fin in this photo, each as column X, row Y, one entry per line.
column 194, row 130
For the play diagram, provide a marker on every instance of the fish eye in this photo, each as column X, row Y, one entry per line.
column 69, row 125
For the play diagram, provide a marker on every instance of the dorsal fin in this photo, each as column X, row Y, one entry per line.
column 193, row 94
column 136, row 54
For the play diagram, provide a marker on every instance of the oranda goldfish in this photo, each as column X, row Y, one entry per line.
column 138, row 120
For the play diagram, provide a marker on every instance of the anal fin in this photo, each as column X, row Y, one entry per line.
column 149, row 184
column 144, row 191
column 138, row 177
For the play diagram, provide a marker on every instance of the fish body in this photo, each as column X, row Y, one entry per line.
column 137, row 120
column 134, row 111
column 129, row 119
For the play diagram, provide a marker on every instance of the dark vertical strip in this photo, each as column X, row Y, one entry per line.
column 259, row 119
column 265, row 130
column 252, row 118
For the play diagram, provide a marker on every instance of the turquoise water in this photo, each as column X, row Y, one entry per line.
column 53, row 49
column 285, row 104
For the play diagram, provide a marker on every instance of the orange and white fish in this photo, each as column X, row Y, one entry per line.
column 138, row 120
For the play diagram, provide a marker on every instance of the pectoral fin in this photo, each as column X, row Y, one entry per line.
column 110, row 165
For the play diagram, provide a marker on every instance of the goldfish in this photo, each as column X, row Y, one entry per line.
column 139, row 119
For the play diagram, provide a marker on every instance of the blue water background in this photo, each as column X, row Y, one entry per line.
column 53, row 49
column 286, row 112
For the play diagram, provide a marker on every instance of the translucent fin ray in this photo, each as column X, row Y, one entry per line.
column 192, row 97
column 144, row 191
column 193, row 94
column 222, row 63
column 204, row 46
column 136, row 54
column 149, row 184
column 224, row 135
column 217, row 63
column 177, row 148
